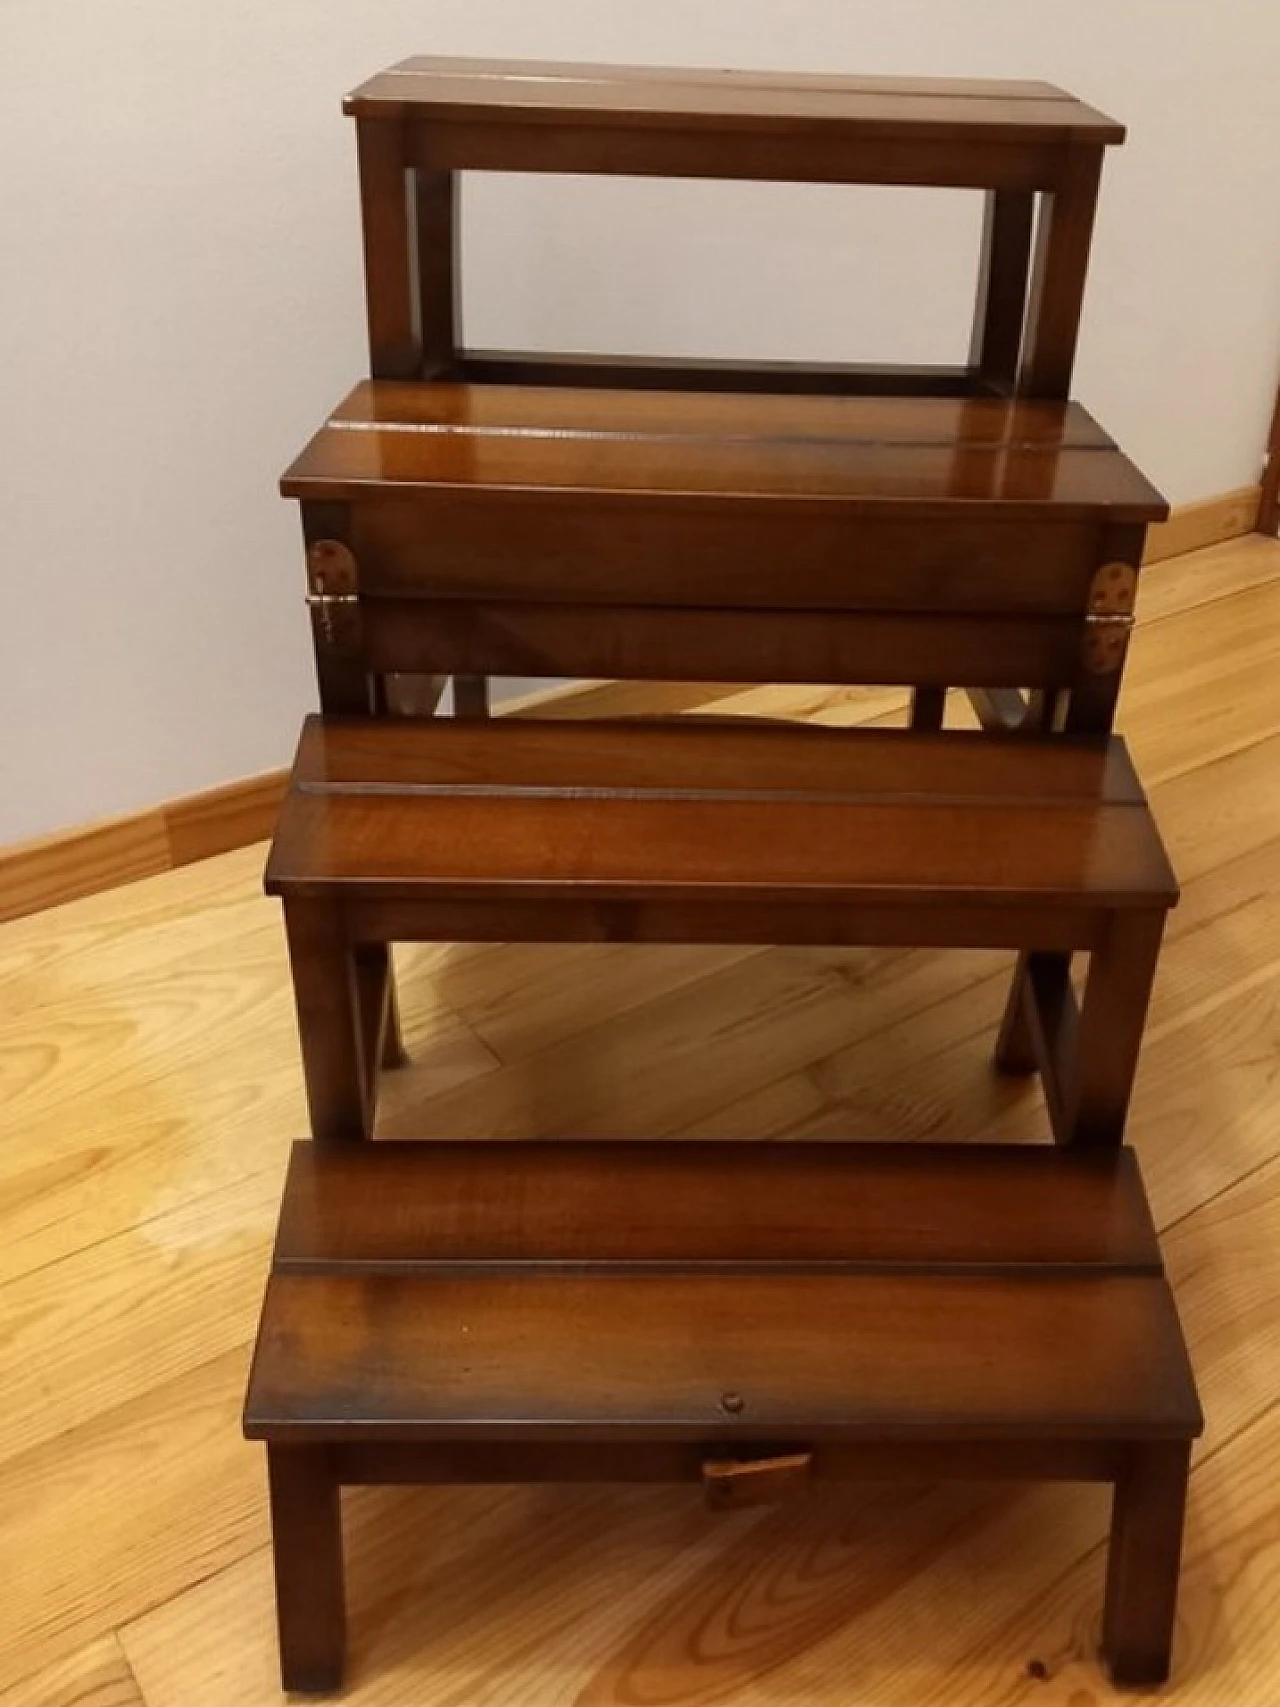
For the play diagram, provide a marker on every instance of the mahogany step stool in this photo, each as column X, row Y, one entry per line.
column 439, row 831
column 753, row 1316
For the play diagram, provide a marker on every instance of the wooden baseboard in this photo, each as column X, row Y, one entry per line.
column 1191, row 527
column 72, row 863
column 63, row 867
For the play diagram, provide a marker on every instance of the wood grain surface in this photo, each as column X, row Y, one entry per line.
column 150, row 1091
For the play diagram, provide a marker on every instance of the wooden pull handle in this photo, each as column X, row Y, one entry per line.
column 732, row 1483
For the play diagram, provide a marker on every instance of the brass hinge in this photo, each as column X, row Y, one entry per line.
column 332, row 593
column 1108, row 618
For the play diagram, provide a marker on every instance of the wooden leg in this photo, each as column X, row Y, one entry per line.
column 1112, row 1016
column 1002, row 287
column 1143, row 1563
column 395, row 343
column 394, row 1053
column 1015, row 1052
column 1061, row 260
column 306, row 1535
column 326, row 992
column 928, row 706
column 379, row 1011
column 471, row 696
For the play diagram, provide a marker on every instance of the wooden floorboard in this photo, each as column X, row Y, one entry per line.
column 149, row 1087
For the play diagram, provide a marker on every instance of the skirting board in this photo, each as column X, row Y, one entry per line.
column 63, row 867
column 72, row 863
column 1192, row 527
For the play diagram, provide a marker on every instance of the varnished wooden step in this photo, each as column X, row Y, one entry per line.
column 593, row 1291
column 623, row 812
column 750, row 1315
column 637, row 1357
column 864, row 455
column 538, row 94
column 632, row 1207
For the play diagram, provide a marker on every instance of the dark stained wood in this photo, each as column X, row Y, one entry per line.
column 814, row 1357
column 437, row 268
column 500, row 71
column 1015, row 1050
column 1002, row 288
column 622, row 549
column 852, row 108
column 1143, row 1561
column 1112, row 1015
column 333, row 1029
column 470, row 697
column 748, row 1315
column 928, row 708
column 395, row 346
column 565, row 1312
column 669, row 758
column 682, row 643
column 1012, row 140
column 412, row 1208
column 810, row 1357
column 673, row 373
column 452, row 1461
column 306, row 1535
column 639, row 416
column 862, row 838
column 1061, row 264
column 910, row 923
column 731, row 447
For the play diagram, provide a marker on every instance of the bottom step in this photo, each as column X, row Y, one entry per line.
column 754, row 1315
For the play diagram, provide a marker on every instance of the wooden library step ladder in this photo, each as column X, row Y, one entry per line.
column 753, row 1317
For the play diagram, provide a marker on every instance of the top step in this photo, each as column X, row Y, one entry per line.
column 605, row 97
column 426, row 121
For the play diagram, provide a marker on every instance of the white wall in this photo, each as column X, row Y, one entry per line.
column 180, row 302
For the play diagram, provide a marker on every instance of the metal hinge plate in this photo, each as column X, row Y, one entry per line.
column 333, row 595
column 1108, row 618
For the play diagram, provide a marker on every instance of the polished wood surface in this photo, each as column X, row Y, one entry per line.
column 905, row 1344
column 491, row 1360
column 433, row 119
column 411, row 1208
column 141, row 1181
column 583, row 814
column 866, row 453
column 654, row 535
column 566, row 832
column 534, row 1357
column 740, row 759
column 643, row 95
column 778, row 419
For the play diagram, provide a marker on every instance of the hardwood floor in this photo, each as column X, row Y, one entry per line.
column 150, row 1087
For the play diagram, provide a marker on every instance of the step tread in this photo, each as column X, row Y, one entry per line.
column 628, row 812
column 831, row 1356
column 397, row 439
column 1021, row 1323
column 403, row 1206
column 590, row 95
